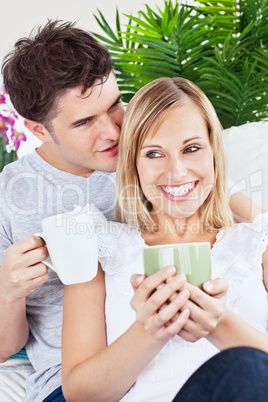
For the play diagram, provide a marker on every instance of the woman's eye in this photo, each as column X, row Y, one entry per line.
column 192, row 148
column 153, row 154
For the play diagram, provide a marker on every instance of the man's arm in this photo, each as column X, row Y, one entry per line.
column 243, row 209
column 20, row 274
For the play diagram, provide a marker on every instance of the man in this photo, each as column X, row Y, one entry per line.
column 61, row 81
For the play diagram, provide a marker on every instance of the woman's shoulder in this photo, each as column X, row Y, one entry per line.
column 237, row 257
column 253, row 236
column 248, row 237
column 119, row 246
column 112, row 235
column 239, row 249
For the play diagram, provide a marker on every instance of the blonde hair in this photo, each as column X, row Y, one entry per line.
column 154, row 98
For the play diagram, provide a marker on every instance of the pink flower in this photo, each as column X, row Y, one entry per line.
column 2, row 99
column 17, row 137
column 3, row 94
column 8, row 118
column 4, row 125
column 3, row 131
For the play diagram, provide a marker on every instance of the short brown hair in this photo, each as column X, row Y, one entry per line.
column 43, row 66
column 147, row 104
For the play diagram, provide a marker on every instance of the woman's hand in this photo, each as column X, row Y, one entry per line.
column 157, row 299
column 206, row 308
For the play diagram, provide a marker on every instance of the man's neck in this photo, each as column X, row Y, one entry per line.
column 49, row 157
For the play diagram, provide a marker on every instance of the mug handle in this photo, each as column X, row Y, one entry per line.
column 45, row 261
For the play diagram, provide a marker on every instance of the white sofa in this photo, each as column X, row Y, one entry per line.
column 247, row 154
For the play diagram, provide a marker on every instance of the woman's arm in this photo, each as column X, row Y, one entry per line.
column 231, row 330
column 243, row 209
column 92, row 371
column 265, row 268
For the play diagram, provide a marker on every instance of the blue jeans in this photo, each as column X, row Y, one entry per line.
column 234, row 375
column 55, row 396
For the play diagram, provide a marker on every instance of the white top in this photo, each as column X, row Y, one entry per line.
column 236, row 256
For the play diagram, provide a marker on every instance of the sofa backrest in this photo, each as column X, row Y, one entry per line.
column 247, row 154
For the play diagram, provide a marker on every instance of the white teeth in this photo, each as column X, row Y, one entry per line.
column 179, row 191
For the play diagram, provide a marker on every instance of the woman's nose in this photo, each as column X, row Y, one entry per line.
column 176, row 170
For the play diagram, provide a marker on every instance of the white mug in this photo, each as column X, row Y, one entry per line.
column 72, row 245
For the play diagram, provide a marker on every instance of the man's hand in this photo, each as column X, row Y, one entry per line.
column 22, row 270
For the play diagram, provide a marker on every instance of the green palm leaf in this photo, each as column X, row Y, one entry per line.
column 221, row 45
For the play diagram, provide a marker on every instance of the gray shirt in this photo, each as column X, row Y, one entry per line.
column 31, row 189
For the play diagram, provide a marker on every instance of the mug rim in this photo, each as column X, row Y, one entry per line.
column 65, row 215
column 177, row 244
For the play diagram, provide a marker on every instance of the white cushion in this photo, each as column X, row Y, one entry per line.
column 247, row 154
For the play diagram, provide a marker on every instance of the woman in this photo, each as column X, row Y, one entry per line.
column 171, row 189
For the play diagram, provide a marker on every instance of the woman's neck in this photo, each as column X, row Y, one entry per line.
column 174, row 230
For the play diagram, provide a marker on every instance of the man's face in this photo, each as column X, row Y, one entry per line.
column 84, row 135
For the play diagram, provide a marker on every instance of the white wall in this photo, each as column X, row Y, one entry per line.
column 19, row 17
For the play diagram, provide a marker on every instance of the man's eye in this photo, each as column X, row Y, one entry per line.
column 192, row 148
column 83, row 124
column 115, row 105
column 153, row 154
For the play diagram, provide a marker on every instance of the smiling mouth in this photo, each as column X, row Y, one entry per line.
column 108, row 149
column 180, row 190
column 111, row 151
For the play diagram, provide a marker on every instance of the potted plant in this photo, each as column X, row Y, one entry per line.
column 222, row 46
column 10, row 137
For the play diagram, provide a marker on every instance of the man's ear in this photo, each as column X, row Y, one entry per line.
column 38, row 130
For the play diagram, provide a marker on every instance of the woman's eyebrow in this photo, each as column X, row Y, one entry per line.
column 151, row 146
column 191, row 139
column 184, row 142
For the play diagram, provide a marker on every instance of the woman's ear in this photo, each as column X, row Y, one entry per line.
column 38, row 130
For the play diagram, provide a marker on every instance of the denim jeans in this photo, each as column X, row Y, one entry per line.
column 55, row 396
column 234, row 375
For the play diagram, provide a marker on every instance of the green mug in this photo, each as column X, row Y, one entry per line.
column 191, row 259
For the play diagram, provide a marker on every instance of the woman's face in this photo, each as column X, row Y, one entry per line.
column 175, row 164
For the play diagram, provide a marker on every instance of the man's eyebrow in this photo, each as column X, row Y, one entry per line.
column 118, row 99
column 80, row 121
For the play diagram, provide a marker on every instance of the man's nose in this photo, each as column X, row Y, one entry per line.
column 109, row 129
